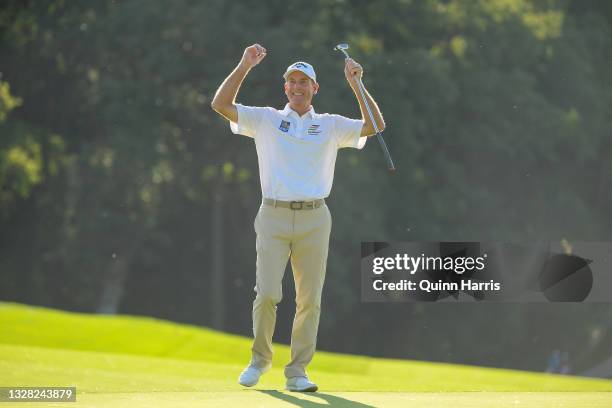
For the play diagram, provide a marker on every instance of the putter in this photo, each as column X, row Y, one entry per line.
column 343, row 47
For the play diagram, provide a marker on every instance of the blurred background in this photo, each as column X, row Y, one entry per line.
column 122, row 192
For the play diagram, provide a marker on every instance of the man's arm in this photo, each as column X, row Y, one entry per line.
column 353, row 72
column 224, row 102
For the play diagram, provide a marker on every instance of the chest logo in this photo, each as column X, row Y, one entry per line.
column 284, row 126
column 314, row 130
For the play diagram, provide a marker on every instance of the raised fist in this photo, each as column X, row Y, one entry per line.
column 352, row 70
column 253, row 55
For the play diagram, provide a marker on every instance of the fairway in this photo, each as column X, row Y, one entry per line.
column 141, row 362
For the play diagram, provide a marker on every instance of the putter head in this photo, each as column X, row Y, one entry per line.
column 341, row 47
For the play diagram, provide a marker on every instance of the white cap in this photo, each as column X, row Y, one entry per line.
column 304, row 67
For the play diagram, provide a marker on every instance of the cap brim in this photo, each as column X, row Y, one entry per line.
column 298, row 70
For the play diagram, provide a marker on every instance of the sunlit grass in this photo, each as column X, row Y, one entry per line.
column 135, row 361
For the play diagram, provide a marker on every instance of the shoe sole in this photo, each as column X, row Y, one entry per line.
column 314, row 388
column 247, row 385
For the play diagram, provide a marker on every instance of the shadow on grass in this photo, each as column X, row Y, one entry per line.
column 328, row 400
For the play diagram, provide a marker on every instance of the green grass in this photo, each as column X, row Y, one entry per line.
column 134, row 361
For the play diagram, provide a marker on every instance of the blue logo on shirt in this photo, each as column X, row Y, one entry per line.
column 284, row 126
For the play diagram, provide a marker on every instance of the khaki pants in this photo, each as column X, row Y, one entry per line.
column 302, row 235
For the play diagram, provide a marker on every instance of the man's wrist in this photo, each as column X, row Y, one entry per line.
column 243, row 67
column 353, row 82
column 354, row 86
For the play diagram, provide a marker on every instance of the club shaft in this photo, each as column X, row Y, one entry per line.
column 379, row 136
column 367, row 105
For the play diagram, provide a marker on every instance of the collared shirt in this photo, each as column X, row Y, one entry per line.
column 297, row 155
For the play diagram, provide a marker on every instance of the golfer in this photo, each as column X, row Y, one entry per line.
column 296, row 151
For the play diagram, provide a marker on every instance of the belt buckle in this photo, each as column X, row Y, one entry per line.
column 301, row 205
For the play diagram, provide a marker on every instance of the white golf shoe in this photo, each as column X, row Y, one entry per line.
column 250, row 375
column 301, row 384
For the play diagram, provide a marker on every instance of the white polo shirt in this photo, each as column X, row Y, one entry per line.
column 297, row 155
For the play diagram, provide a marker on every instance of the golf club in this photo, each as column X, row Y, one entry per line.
column 343, row 47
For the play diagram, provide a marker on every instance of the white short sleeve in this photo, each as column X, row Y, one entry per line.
column 249, row 118
column 348, row 132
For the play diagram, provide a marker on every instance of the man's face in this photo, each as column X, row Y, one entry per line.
column 300, row 89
